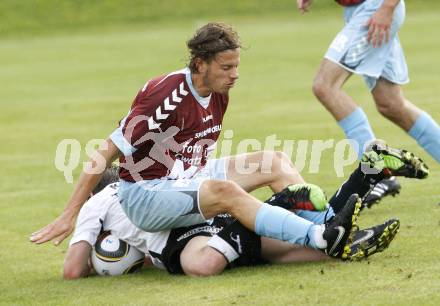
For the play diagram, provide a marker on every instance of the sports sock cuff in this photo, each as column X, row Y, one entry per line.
column 419, row 126
column 317, row 217
column 223, row 247
column 278, row 223
column 353, row 119
column 357, row 128
column 316, row 240
column 427, row 134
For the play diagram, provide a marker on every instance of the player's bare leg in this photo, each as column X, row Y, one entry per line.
column 327, row 87
column 216, row 197
column 276, row 251
column 276, row 170
column 266, row 168
column 198, row 259
column 231, row 196
column 391, row 103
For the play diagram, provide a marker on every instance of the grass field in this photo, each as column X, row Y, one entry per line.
column 78, row 84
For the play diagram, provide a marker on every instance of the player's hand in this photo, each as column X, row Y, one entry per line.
column 303, row 5
column 379, row 26
column 57, row 231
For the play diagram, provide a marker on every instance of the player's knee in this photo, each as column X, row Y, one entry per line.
column 282, row 157
column 389, row 108
column 321, row 88
column 383, row 109
column 281, row 163
column 209, row 265
column 225, row 189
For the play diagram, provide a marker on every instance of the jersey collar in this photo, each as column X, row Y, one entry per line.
column 203, row 101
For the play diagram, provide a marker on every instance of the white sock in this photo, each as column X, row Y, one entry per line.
column 318, row 239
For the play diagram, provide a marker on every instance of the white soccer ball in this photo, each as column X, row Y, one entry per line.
column 112, row 256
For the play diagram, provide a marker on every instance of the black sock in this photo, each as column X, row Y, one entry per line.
column 359, row 183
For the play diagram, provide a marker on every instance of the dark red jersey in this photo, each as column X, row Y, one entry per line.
column 170, row 129
column 349, row 2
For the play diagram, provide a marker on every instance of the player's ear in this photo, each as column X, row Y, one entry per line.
column 201, row 65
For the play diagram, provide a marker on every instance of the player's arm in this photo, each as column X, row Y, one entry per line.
column 77, row 263
column 303, row 5
column 148, row 262
column 126, row 139
column 88, row 226
column 380, row 23
column 62, row 226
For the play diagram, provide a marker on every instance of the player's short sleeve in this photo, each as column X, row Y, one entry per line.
column 89, row 221
column 120, row 141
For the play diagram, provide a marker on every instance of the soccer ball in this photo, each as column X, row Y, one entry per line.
column 112, row 256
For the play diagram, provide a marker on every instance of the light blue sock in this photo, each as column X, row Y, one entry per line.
column 427, row 134
column 278, row 223
column 317, row 217
column 357, row 128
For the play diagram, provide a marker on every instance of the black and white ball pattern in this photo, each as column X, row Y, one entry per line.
column 112, row 256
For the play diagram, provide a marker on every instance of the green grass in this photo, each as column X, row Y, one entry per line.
column 29, row 17
column 78, row 85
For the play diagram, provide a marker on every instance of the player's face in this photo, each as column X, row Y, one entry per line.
column 221, row 73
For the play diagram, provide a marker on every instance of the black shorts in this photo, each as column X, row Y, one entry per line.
column 179, row 237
